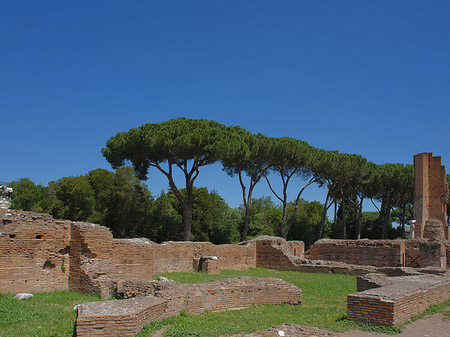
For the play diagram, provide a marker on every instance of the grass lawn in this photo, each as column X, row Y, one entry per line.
column 324, row 306
column 46, row 314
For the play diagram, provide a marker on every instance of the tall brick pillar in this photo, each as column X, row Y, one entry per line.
column 430, row 192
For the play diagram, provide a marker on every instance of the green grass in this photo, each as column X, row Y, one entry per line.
column 46, row 314
column 324, row 306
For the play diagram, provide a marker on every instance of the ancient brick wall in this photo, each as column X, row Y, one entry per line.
column 235, row 257
column 184, row 256
column 430, row 192
column 275, row 252
column 134, row 258
column 91, row 248
column 432, row 254
column 118, row 318
column 173, row 257
column 447, row 249
column 393, row 300
column 34, row 252
column 381, row 253
column 98, row 260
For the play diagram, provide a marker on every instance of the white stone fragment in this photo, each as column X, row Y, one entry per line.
column 281, row 333
column 23, row 296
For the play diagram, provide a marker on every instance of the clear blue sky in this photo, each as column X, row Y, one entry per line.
column 365, row 77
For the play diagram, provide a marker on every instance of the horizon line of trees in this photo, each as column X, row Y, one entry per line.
column 189, row 144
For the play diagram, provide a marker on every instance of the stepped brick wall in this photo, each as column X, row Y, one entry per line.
column 276, row 253
column 91, row 248
column 381, row 253
column 126, row 317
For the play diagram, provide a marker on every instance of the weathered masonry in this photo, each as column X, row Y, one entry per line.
column 392, row 300
column 430, row 193
column 165, row 299
column 39, row 254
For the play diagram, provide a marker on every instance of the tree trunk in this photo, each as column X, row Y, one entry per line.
column 386, row 211
column 247, row 203
column 344, row 220
column 246, row 221
column 285, row 232
column 187, row 219
column 319, row 232
column 359, row 225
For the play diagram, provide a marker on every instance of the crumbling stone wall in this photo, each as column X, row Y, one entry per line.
column 381, row 253
column 430, row 192
column 98, row 260
column 34, row 252
column 275, row 252
column 167, row 299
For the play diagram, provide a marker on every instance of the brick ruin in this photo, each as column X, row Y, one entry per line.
column 392, row 300
column 40, row 254
column 164, row 299
column 430, row 193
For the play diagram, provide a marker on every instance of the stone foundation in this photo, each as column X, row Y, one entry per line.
column 391, row 301
column 166, row 299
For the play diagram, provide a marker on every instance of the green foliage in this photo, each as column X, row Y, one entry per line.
column 75, row 199
column 212, row 219
column 63, row 265
column 167, row 219
column 130, row 209
column 307, row 220
column 264, row 217
column 28, row 196
column 186, row 144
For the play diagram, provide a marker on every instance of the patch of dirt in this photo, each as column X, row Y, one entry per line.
column 436, row 325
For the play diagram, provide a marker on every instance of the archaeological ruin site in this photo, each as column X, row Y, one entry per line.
column 396, row 278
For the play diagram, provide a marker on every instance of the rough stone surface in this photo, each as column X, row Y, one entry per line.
column 5, row 197
column 434, row 230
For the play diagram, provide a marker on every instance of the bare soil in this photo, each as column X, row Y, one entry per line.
column 436, row 325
